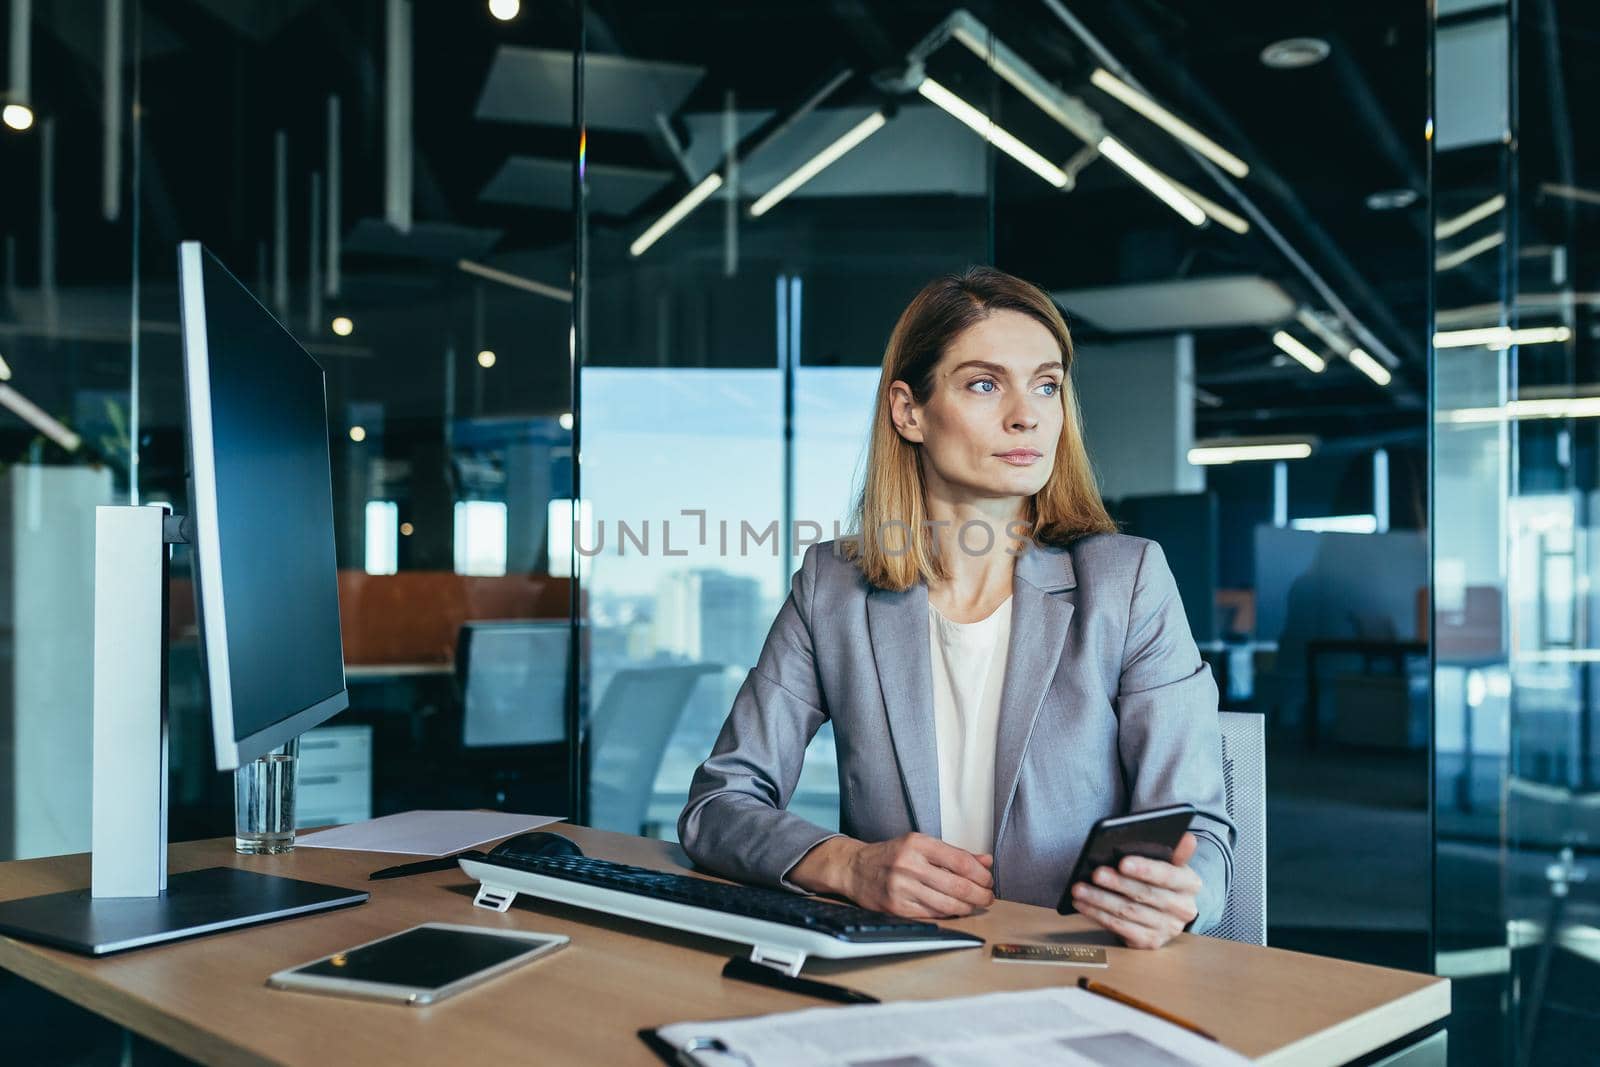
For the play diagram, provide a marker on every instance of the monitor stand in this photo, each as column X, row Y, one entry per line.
column 132, row 901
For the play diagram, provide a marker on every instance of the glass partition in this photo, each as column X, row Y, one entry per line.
column 1516, row 755
column 389, row 201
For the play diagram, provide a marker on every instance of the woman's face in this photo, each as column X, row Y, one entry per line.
column 993, row 417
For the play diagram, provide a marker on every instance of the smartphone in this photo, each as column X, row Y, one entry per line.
column 1153, row 834
column 419, row 966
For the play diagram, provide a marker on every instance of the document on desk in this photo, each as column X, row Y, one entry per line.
column 425, row 833
column 1062, row 1026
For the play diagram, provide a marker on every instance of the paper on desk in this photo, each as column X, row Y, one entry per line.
column 1060, row 1026
column 425, row 833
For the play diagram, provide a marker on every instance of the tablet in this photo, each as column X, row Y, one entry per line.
column 422, row 965
column 1153, row 834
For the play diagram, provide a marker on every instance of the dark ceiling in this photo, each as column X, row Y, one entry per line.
column 214, row 81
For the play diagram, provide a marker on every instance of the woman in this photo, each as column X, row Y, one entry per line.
column 1002, row 668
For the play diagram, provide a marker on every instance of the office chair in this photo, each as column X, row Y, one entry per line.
column 513, row 680
column 628, row 734
column 1244, row 776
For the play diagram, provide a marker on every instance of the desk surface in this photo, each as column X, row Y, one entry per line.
column 206, row 997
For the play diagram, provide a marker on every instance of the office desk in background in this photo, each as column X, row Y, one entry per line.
column 206, row 998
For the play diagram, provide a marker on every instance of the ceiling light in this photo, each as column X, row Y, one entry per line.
column 565, row 420
column 1245, row 450
column 675, row 214
column 1391, row 199
column 1360, row 358
column 1452, row 260
column 342, row 326
column 505, row 10
column 1292, row 53
column 486, row 359
column 1451, row 227
column 1307, row 358
column 979, row 123
column 18, row 116
column 1151, row 179
column 1369, row 366
column 5, row 370
column 1213, row 210
column 1499, row 338
column 1106, row 81
column 1576, row 407
column 358, row 434
column 818, row 163
column 35, row 416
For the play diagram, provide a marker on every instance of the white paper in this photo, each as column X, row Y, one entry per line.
column 1049, row 1027
column 424, row 833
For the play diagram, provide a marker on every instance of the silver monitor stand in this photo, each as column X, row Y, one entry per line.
column 132, row 901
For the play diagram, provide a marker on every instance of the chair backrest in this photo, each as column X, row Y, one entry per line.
column 629, row 731
column 1244, row 775
column 513, row 678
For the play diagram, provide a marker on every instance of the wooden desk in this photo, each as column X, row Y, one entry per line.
column 206, row 998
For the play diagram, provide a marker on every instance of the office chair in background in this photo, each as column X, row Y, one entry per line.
column 1244, row 776
column 628, row 735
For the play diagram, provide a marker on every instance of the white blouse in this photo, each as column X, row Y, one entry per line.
column 969, row 666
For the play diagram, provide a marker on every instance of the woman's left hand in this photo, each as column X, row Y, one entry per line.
column 1145, row 902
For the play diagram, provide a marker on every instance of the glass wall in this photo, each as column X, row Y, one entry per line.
column 391, row 201
column 1516, row 754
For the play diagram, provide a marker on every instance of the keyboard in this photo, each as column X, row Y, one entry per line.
column 783, row 927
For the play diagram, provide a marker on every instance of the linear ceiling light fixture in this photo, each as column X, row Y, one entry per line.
column 1576, row 407
column 1244, row 450
column 1287, row 343
column 980, row 124
column 818, row 163
column 1454, row 259
column 1109, row 83
column 1369, row 366
column 1072, row 113
column 1451, row 227
column 675, row 214
column 1499, row 338
column 1358, row 357
column 35, row 416
column 1151, row 179
column 1213, row 210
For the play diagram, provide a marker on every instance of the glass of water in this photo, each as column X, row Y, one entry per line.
column 263, row 802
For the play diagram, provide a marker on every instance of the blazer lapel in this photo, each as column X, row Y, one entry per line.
column 1039, row 621
column 898, row 626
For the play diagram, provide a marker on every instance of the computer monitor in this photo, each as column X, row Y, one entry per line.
column 513, row 678
column 266, row 580
column 261, row 525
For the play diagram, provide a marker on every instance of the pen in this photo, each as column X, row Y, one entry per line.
column 745, row 970
column 437, row 863
column 1150, row 1009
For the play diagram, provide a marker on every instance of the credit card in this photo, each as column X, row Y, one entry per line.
column 1067, row 955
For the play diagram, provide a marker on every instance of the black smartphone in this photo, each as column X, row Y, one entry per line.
column 1153, row 834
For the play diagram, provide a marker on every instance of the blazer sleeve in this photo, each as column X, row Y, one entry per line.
column 1169, row 737
column 734, row 822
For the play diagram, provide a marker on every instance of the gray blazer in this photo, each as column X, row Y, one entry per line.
column 1106, row 708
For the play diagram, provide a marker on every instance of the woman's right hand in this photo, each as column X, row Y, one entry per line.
column 915, row 876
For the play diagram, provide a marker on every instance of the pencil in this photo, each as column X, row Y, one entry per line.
column 1150, row 1009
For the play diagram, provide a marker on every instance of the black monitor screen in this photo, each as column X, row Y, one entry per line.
column 274, row 511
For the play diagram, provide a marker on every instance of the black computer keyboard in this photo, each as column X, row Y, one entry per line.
column 772, row 905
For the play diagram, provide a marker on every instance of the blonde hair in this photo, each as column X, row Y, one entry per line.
column 888, row 538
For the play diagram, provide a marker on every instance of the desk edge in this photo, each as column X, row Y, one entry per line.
column 1360, row 1034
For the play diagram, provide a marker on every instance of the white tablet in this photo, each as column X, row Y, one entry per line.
column 421, row 965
